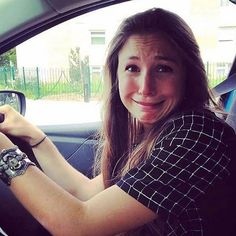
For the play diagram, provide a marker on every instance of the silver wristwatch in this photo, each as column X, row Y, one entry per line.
column 13, row 162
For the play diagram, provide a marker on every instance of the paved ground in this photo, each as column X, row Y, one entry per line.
column 43, row 112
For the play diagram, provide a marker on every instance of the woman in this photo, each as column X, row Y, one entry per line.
column 162, row 151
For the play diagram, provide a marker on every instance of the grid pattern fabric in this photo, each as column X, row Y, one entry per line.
column 190, row 156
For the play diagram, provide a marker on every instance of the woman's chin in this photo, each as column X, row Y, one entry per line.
column 150, row 120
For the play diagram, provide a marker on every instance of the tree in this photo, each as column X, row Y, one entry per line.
column 8, row 58
column 75, row 64
column 79, row 72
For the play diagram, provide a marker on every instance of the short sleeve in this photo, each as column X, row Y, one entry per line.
column 188, row 158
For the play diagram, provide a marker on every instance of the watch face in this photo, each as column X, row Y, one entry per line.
column 13, row 163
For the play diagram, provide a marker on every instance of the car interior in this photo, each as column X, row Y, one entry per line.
column 76, row 142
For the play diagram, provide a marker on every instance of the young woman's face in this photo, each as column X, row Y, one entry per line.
column 151, row 77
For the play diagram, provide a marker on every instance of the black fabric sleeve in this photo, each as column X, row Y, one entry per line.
column 188, row 158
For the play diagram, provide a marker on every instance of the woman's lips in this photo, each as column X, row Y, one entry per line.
column 149, row 105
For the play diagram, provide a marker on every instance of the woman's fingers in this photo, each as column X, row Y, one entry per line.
column 2, row 117
column 13, row 123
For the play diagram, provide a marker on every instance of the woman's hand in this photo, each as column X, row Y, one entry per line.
column 5, row 142
column 16, row 125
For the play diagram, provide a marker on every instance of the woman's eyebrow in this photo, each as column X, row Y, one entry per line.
column 158, row 57
column 133, row 58
column 166, row 58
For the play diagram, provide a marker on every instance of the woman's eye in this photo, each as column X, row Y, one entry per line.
column 132, row 68
column 164, row 68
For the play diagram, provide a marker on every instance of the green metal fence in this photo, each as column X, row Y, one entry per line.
column 54, row 83
column 74, row 84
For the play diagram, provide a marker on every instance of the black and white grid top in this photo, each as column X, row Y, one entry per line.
column 189, row 157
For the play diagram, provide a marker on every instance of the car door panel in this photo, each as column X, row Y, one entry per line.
column 77, row 143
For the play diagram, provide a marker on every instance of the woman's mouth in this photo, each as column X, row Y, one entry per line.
column 148, row 105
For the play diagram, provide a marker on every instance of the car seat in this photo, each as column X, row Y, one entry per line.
column 219, row 208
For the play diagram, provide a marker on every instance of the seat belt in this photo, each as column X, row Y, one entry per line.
column 228, row 86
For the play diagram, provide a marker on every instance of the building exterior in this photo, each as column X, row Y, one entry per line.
column 91, row 35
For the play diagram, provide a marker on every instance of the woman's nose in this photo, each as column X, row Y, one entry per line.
column 146, row 84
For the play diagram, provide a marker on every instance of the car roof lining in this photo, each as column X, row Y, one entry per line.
column 30, row 10
column 62, row 6
column 33, row 10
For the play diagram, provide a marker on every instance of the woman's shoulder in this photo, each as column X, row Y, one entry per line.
column 196, row 125
column 198, row 120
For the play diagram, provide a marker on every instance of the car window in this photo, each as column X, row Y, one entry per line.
column 61, row 70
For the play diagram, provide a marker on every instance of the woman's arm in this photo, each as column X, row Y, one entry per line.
column 58, row 169
column 110, row 212
column 52, row 162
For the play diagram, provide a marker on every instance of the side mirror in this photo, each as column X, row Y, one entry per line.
column 13, row 98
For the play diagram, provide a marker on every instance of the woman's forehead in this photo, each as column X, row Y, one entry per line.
column 149, row 44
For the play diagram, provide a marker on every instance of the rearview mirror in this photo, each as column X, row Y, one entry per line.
column 13, row 98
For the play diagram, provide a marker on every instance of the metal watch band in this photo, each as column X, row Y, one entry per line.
column 13, row 162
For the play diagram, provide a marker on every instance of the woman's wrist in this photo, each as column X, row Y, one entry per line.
column 36, row 138
column 13, row 163
column 38, row 142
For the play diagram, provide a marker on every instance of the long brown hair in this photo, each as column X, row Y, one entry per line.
column 120, row 130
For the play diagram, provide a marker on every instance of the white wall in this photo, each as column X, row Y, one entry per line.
column 51, row 49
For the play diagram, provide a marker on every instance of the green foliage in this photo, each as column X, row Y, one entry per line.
column 8, row 58
column 32, row 84
column 79, row 68
column 75, row 64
